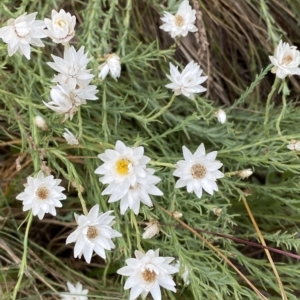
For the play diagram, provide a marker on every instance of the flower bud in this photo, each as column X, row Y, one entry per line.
column 294, row 145
column 221, row 116
column 176, row 214
column 245, row 173
column 151, row 230
column 40, row 122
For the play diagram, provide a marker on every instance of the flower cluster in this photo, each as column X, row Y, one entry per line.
column 129, row 180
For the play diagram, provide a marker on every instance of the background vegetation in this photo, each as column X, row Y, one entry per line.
column 232, row 46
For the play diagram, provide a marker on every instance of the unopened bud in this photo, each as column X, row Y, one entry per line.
column 176, row 214
column 245, row 173
column 78, row 187
column 294, row 145
column 221, row 116
column 217, row 211
column 40, row 122
column 151, row 230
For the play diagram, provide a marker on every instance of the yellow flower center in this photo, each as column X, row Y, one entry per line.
column 123, row 166
column 42, row 193
column 92, row 232
column 179, row 20
column 149, row 275
column 287, row 60
column 198, row 171
column 61, row 22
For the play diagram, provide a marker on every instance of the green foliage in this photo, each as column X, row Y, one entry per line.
column 123, row 112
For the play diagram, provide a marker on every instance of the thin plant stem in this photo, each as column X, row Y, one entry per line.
column 274, row 88
column 24, row 256
column 262, row 240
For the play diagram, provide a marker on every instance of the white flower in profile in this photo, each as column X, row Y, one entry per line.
column 147, row 272
column 60, row 28
column 185, row 274
column 94, row 233
column 111, row 65
column 294, row 145
column 122, row 169
column 42, row 194
column 198, row 171
column 151, row 230
column 75, row 292
column 221, row 116
column 188, row 82
column 137, row 193
column 286, row 60
column 66, row 99
column 182, row 22
column 70, row 138
column 22, row 32
column 72, row 68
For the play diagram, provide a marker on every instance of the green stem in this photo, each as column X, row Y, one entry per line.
column 138, row 238
column 162, row 110
column 162, row 164
column 82, row 201
column 281, row 113
column 274, row 87
column 24, row 257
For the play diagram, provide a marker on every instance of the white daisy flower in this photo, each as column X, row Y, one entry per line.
column 294, row 145
column 182, row 22
column 60, row 28
column 286, row 60
column 66, row 99
column 185, row 274
column 151, row 229
column 221, row 116
column 75, row 292
column 137, row 193
column 198, row 171
column 22, row 32
column 70, row 138
column 122, row 169
column 42, row 194
column 94, row 233
column 147, row 272
column 188, row 82
column 72, row 68
column 111, row 65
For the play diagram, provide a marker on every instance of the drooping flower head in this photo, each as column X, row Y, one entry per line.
column 72, row 68
column 137, row 193
column 188, row 82
column 22, row 32
column 286, row 60
column 66, row 99
column 198, row 171
column 122, row 168
column 147, row 272
column 42, row 194
column 75, row 292
column 61, row 27
column 112, row 65
column 182, row 22
column 70, row 138
column 94, row 233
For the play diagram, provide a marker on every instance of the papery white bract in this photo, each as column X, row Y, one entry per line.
column 22, row 32
column 188, row 82
column 198, row 171
column 184, row 273
column 94, row 233
column 151, row 229
column 75, row 292
column 182, row 22
column 66, row 99
column 286, row 60
column 70, row 138
column 147, row 272
column 221, row 116
column 60, row 28
column 294, row 145
column 122, row 168
column 42, row 194
column 137, row 193
column 72, row 68
column 111, row 65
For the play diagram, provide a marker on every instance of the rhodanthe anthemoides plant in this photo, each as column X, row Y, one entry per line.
column 169, row 191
